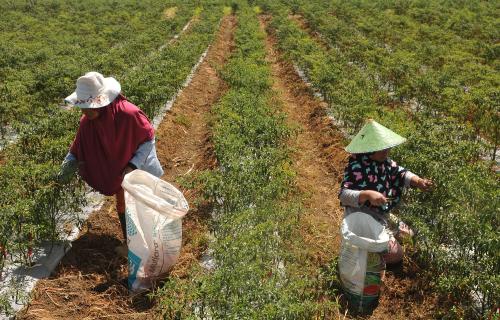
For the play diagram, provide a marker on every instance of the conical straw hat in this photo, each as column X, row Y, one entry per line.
column 374, row 137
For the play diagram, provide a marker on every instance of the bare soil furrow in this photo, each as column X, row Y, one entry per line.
column 318, row 158
column 184, row 143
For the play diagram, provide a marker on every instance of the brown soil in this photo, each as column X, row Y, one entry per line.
column 88, row 283
column 319, row 160
column 406, row 295
column 184, row 140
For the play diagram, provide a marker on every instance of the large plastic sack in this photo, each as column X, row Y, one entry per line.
column 360, row 265
column 154, row 211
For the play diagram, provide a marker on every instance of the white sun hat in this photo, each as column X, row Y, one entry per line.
column 94, row 91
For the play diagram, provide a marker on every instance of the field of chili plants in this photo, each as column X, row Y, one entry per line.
column 426, row 69
column 47, row 47
column 437, row 57
column 256, row 273
column 457, row 223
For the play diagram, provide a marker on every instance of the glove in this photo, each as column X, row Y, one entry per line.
column 68, row 168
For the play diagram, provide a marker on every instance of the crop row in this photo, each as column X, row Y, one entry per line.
column 421, row 65
column 457, row 239
column 32, row 203
column 256, row 273
column 385, row 24
column 45, row 47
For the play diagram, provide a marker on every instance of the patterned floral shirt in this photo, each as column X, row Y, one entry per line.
column 363, row 173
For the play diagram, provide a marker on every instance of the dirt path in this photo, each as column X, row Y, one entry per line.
column 319, row 160
column 88, row 283
column 318, row 157
column 184, row 139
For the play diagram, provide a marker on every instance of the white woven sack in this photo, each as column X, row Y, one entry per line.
column 360, row 234
column 154, row 211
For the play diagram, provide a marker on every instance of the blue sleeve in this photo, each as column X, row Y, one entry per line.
column 69, row 157
column 68, row 167
column 142, row 153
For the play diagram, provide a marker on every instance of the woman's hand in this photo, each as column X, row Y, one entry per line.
column 68, row 169
column 423, row 184
column 127, row 170
column 375, row 198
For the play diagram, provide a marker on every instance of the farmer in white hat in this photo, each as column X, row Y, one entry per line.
column 373, row 183
column 114, row 137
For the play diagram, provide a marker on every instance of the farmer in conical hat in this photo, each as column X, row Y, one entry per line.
column 114, row 137
column 373, row 183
